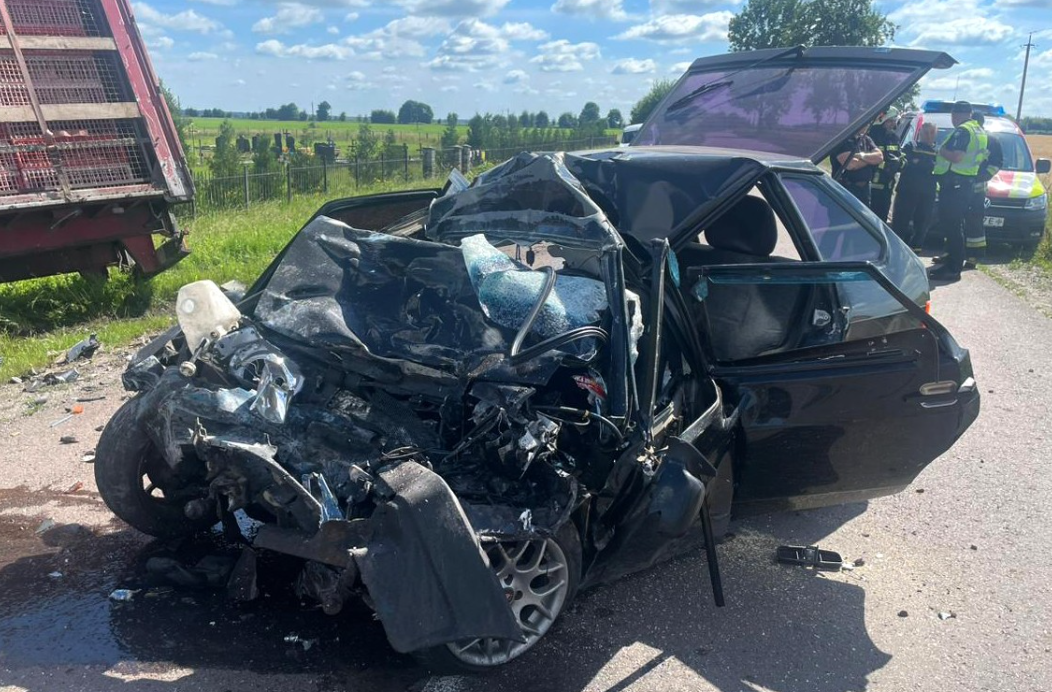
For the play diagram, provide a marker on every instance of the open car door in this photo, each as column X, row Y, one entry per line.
column 800, row 102
column 839, row 399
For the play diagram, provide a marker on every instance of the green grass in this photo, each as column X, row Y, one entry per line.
column 40, row 318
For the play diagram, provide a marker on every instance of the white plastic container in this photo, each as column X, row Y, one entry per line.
column 204, row 312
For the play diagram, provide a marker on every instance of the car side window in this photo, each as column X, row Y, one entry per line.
column 837, row 233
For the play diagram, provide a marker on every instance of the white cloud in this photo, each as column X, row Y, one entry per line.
column 199, row 55
column 1024, row 3
column 357, row 81
column 290, row 15
column 328, row 51
column 660, row 7
column 450, row 89
column 161, row 43
column 563, row 56
column 682, row 28
column 593, row 9
column 398, row 39
column 452, row 8
column 633, row 66
column 238, row 82
column 963, row 31
column 350, row 16
column 187, row 20
column 516, row 77
column 221, row 3
column 485, row 86
column 334, row 30
column 679, row 68
column 475, row 45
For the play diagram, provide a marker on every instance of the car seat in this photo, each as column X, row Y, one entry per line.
column 744, row 320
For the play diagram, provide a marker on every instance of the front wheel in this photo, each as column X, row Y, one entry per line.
column 540, row 579
column 136, row 482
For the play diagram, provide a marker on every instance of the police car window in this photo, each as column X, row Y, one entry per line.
column 837, row 233
column 1015, row 152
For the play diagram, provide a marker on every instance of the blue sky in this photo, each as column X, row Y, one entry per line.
column 511, row 55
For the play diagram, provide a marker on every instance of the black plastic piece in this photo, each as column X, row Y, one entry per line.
column 809, row 556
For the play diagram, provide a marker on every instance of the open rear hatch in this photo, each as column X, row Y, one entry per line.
column 800, row 102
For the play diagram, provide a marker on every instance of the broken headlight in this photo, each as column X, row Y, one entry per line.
column 256, row 364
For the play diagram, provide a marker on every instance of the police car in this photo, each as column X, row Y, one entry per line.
column 1016, row 199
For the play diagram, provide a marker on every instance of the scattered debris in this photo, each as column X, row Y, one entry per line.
column 75, row 487
column 859, row 562
column 15, row 380
column 67, row 377
column 903, row 614
column 947, row 614
column 55, row 575
column 159, row 591
column 45, row 525
column 68, row 439
column 296, row 639
column 210, row 571
column 123, row 594
column 809, row 556
column 83, row 349
column 89, row 457
column 100, row 428
column 242, row 586
column 60, row 421
column 76, row 410
column 920, row 490
column 86, row 399
column 973, row 547
column 848, row 566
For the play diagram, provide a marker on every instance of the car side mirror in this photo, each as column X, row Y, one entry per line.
column 1044, row 166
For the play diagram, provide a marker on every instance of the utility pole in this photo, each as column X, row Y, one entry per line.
column 1022, row 86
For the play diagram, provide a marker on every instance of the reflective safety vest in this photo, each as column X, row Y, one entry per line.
column 977, row 152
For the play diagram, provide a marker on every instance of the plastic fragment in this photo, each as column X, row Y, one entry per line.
column 89, row 457
column 55, row 575
column 68, row 439
column 947, row 614
column 45, row 525
column 60, row 421
column 66, row 377
column 77, row 410
column 123, row 594
column 83, row 349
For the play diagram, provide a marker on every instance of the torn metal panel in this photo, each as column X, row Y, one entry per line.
column 427, row 576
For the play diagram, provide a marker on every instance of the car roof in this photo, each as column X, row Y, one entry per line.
column 991, row 123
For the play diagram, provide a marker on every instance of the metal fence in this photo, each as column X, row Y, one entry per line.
column 344, row 177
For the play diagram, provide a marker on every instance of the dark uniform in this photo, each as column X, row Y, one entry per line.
column 858, row 180
column 974, row 231
column 956, row 189
column 915, row 200
column 882, row 184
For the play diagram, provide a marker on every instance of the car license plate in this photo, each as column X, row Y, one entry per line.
column 994, row 221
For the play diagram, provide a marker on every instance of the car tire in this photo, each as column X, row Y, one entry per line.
column 129, row 470
column 445, row 659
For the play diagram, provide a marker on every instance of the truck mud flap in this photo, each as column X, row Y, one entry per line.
column 426, row 574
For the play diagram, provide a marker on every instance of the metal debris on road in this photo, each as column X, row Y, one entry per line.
column 86, row 399
column 809, row 556
column 859, row 562
column 45, row 525
column 123, row 594
column 83, row 349
column 55, row 575
column 947, row 614
column 60, row 421
column 89, row 457
column 296, row 639
column 68, row 439
column 67, row 377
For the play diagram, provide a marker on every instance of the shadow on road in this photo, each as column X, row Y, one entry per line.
column 784, row 628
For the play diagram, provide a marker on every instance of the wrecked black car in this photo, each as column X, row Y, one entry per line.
column 463, row 405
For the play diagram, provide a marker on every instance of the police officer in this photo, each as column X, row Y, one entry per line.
column 915, row 198
column 974, row 230
column 883, row 183
column 853, row 163
column 957, row 167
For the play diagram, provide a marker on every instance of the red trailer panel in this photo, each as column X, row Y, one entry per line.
column 90, row 162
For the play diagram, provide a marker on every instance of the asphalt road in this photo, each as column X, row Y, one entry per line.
column 969, row 540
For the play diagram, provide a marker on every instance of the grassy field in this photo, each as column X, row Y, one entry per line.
column 1041, row 146
column 205, row 130
column 43, row 317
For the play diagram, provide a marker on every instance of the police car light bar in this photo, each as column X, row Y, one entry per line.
column 936, row 106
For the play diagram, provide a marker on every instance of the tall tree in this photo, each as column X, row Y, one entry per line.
column 415, row 112
column 542, row 120
column 324, row 111
column 645, row 105
column 383, row 117
column 615, row 119
column 786, row 23
column 568, row 120
column 225, row 162
column 450, row 136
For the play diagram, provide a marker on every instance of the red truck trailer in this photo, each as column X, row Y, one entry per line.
column 90, row 161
